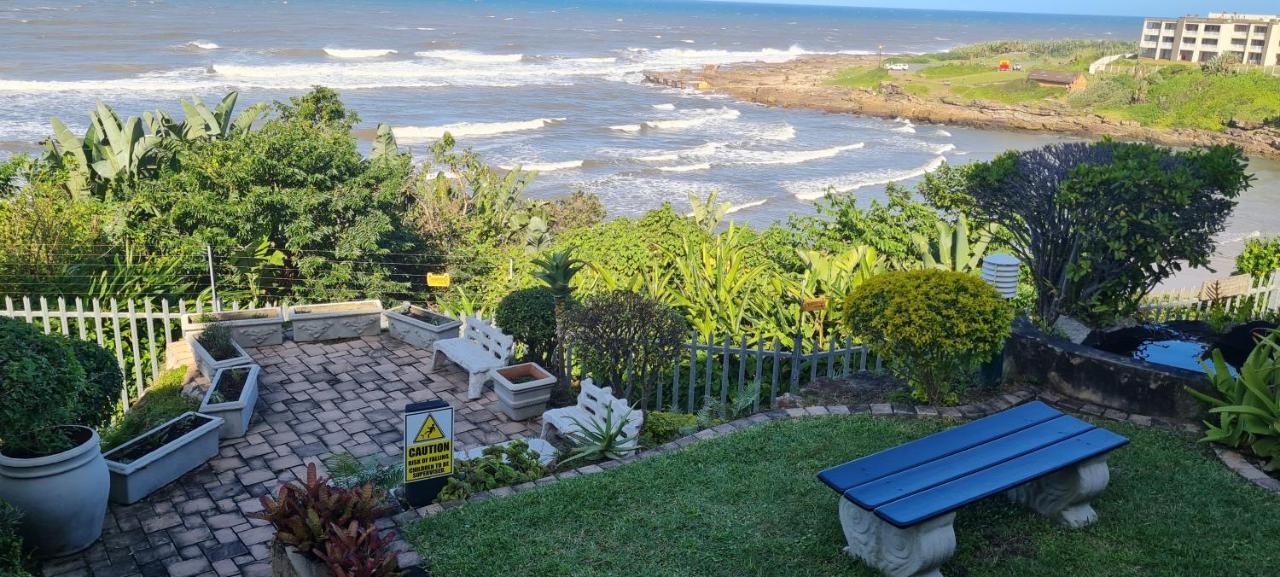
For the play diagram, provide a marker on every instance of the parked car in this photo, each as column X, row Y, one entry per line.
column 897, row 67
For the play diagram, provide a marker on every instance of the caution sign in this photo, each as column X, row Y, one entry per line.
column 428, row 450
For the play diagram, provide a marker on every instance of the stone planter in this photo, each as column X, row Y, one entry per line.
column 138, row 467
column 523, row 390
column 329, row 322
column 209, row 365
column 250, row 327
column 420, row 327
column 63, row 497
column 235, row 413
column 286, row 561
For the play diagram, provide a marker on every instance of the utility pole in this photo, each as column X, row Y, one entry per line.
column 880, row 51
column 213, row 281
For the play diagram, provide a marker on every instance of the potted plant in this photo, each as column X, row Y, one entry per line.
column 51, row 468
column 232, row 395
column 420, row 327
column 214, row 349
column 158, row 439
column 249, row 328
column 523, row 389
column 335, row 321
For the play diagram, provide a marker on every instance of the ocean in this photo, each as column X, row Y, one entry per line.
column 550, row 86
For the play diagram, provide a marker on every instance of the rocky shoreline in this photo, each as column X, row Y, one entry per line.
column 802, row 83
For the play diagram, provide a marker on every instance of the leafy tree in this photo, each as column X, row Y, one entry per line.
column 888, row 227
column 627, row 341
column 1099, row 225
column 1260, row 257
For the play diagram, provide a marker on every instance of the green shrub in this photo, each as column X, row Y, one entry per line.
column 529, row 315
column 933, row 327
column 1248, row 409
column 660, row 427
column 41, row 384
column 496, row 467
column 1260, row 257
column 216, row 340
column 103, row 380
column 12, row 557
column 163, row 401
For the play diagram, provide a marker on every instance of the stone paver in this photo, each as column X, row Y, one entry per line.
column 315, row 399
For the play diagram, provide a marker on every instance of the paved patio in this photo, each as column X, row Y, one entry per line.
column 316, row 399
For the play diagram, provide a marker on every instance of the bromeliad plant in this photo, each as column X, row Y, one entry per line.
column 359, row 551
column 303, row 512
column 1248, row 409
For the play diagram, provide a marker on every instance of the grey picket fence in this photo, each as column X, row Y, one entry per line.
column 1238, row 297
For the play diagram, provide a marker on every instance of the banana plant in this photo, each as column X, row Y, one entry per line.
column 707, row 213
column 712, row 282
column 69, row 151
column 953, row 250
column 834, row 277
column 218, row 123
column 384, row 143
column 1248, row 409
column 123, row 151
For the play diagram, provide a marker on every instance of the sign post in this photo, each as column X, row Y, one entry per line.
column 428, row 450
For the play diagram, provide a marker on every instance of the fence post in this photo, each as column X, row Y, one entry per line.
column 797, row 355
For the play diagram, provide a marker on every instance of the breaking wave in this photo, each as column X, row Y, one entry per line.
column 469, row 56
column 815, row 189
column 359, row 52
column 546, row 166
column 412, row 134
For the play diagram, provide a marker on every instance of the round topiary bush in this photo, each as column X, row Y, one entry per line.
column 529, row 315
column 41, row 384
column 933, row 327
column 103, row 380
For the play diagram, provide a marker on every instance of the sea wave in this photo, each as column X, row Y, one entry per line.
column 359, row 52
column 686, row 168
column 469, row 56
column 816, row 188
column 545, row 166
column 667, row 106
column 412, row 134
column 761, row 157
column 942, row 133
column 739, row 207
column 201, row 45
column 701, row 150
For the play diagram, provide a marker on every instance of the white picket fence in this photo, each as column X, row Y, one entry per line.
column 136, row 331
column 1240, row 296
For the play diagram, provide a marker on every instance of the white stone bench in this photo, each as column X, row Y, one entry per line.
column 594, row 404
column 481, row 347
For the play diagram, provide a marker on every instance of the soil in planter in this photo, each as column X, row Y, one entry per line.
column 159, row 439
column 431, row 319
column 522, row 379
column 217, row 341
column 229, row 387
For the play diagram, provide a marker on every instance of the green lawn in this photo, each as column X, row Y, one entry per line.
column 749, row 504
column 861, row 77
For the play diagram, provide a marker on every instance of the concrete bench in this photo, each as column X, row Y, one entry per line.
column 594, row 404
column 481, row 347
column 897, row 506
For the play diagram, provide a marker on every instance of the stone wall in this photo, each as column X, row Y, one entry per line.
column 1102, row 378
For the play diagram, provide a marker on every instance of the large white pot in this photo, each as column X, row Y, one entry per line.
column 63, row 497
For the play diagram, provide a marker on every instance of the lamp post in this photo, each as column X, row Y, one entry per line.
column 1001, row 272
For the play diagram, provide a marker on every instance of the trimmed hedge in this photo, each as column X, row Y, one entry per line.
column 529, row 315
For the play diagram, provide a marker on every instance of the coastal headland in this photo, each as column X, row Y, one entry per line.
column 814, row 82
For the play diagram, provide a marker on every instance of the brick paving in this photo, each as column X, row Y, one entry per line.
column 315, row 399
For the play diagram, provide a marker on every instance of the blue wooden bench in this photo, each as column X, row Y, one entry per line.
column 897, row 506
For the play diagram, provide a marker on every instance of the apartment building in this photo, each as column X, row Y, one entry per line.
column 1253, row 39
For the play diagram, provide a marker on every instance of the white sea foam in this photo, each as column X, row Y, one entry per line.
column 359, row 52
column 667, row 106
column 737, row 207
column 942, row 133
column 758, row 157
column 469, row 56
column 702, row 150
column 410, row 134
column 686, row 168
column 814, row 189
column 627, row 127
column 546, row 166
column 202, row 45
column 944, row 148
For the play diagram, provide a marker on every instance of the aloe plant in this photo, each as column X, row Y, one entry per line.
column 1248, row 409
column 952, row 249
column 597, row 440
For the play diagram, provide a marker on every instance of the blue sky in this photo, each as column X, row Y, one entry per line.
column 1108, row 7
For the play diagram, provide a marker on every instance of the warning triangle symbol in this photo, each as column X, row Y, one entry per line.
column 430, row 431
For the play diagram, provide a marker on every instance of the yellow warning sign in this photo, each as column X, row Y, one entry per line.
column 430, row 431
column 428, row 460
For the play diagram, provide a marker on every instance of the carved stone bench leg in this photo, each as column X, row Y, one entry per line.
column 912, row 552
column 1066, row 494
column 475, row 385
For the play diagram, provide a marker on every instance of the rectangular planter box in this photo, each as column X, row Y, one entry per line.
column 250, row 327
column 420, row 327
column 206, row 363
column 329, row 322
column 235, row 414
column 526, row 399
column 140, row 477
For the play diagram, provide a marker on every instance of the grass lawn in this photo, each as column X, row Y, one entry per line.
column 861, row 77
column 749, row 504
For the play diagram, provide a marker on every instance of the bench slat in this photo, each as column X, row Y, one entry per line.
column 904, row 483
column 950, row 496
column 903, row 457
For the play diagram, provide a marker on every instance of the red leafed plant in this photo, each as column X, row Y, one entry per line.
column 359, row 551
column 303, row 512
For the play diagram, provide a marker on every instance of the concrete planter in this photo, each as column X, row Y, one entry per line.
column 286, row 561
column 209, row 365
column 235, row 413
column 249, row 328
column 135, row 478
column 334, row 321
column 523, row 390
column 63, row 497
column 420, row 327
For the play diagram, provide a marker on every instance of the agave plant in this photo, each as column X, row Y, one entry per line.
column 1248, row 409
column 602, row 439
column 952, row 249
